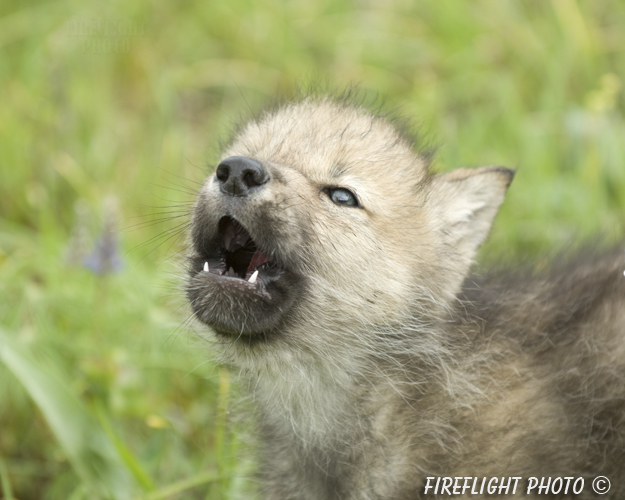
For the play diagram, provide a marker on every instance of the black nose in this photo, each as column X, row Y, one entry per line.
column 238, row 175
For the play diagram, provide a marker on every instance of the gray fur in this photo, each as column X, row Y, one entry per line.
column 372, row 365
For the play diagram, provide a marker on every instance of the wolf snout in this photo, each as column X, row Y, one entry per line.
column 239, row 176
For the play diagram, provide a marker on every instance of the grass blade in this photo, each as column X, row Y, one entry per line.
column 181, row 486
column 132, row 464
column 5, row 483
column 90, row 452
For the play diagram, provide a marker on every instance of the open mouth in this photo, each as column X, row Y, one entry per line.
column 236, row 286
column 238, row 256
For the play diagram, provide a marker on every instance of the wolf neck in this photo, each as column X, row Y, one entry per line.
column 311, row 403
column 320, row 403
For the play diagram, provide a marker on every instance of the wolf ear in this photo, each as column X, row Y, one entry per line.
column 466, row 202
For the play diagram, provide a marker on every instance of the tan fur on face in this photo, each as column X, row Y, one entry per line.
column 322, row 143
column 384, row 368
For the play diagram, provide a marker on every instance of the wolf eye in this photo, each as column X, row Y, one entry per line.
column 342, row 196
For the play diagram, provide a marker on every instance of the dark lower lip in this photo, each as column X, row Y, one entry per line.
column 267, row 273
column 235, row 307
column 244, row 286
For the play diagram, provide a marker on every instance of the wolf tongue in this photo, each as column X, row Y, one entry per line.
column 258, row 259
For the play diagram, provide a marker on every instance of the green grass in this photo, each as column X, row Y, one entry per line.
column 104, row 393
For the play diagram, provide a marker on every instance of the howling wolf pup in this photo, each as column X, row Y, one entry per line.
column 331, row 267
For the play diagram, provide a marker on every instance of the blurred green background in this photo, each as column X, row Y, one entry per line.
column 112, row 112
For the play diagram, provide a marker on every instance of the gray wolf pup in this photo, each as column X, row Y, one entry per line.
column 331, row 267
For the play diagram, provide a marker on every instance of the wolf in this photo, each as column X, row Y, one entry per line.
column 331, row 268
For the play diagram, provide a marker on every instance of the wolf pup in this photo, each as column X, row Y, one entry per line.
column 331, row 267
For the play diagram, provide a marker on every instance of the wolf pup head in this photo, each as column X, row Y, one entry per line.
column 321, row 223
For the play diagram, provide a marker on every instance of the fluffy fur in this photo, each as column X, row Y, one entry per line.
column 372, row 365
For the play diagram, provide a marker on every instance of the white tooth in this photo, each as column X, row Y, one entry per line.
column 205, row 267
column 231, row 272
column 253, row 277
